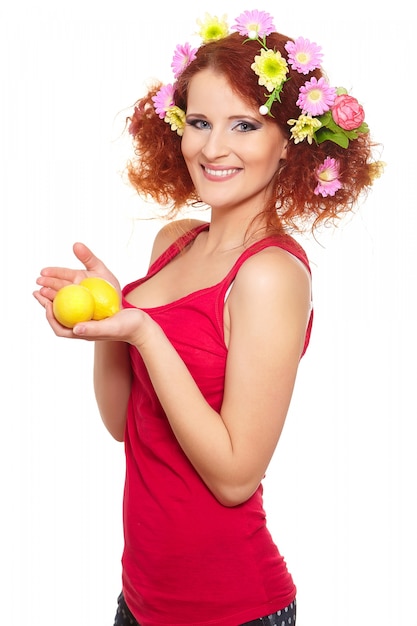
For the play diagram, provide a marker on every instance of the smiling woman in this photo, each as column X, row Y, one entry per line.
column 227, row 141
column 196, row 372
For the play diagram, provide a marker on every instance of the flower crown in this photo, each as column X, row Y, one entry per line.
column 326, row 113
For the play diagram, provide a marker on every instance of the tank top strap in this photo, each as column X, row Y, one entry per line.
column 286, row 242
column 175, row 248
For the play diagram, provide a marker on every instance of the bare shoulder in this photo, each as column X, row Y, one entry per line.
column 273, row 269
column 170, row 232
column 270, row 302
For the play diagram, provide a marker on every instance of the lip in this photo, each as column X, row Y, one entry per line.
column 219, row 173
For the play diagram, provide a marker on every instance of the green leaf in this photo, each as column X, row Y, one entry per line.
column 363, row 128
column 325, row 134
column 325, row 118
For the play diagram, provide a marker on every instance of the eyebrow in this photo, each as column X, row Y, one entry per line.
column 246, row 116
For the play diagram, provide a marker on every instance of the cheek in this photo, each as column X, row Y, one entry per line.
column 188, row 149
column 269, row 163
column 189, row 141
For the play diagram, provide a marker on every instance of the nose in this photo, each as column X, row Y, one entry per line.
column 216, row 145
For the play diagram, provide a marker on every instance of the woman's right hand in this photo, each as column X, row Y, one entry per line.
column 52, row 279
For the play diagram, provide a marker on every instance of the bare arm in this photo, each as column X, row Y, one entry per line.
column 232, row 449
column 112, row 370
column 112, row 373
column 112, row 379
column 268, row 309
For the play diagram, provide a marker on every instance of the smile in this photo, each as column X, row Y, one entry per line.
column 220, row 173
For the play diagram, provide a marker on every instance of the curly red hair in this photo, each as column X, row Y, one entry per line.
column 158, row 171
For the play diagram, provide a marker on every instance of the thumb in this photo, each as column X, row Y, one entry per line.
column 87, row 258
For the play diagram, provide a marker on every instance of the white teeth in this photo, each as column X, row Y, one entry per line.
column 220, row 173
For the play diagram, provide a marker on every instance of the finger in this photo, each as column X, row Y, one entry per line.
column 94, row 330
column 47, row 292
column 88, row 258
column 40, row 298
column 54, row 278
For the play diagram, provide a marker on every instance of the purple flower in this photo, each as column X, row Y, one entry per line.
column 183, row 56
column 303, row 55
column 316, row 97
column 254, row 24
column 164, row 100
column 327, row 175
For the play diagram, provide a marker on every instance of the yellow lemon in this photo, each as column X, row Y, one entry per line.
column 73, row 304
column 106, row 298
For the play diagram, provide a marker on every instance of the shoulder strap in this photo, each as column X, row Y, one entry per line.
column 175, row 248
column 286, row 242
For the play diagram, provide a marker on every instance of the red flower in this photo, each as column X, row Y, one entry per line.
column 347, row 112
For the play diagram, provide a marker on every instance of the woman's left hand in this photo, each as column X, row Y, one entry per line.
column 131, row 325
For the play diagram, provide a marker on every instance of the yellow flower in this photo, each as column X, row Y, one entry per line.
column 377, row 169
column 271, row 68
column 304, row 128
column 175, row 117
column 212, row 28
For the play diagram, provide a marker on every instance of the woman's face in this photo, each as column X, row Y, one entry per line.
column 231, row 151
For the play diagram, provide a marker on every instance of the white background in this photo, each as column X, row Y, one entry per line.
column 341, row 490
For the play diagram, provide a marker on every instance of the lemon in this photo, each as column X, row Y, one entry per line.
column 73, row 304
column 106, row 298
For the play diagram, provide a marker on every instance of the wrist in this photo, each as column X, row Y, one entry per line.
column 146, row 333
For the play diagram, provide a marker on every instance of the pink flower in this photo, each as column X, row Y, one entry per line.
column 254, row 22
column 316, row 97
column 327, row 175
column 303, row 55
column 347, row 112
column 183, row 56
column 164, row 100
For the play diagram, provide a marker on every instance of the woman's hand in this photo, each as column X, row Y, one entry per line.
column 52, row 279
column 128, row 325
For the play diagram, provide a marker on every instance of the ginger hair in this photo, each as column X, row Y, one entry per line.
column 158, row 171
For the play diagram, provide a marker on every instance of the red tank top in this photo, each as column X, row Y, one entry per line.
column 187, row 559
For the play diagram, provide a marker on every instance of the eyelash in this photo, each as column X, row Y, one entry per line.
column 203, row 125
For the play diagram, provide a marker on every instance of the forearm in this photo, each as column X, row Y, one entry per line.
column 200, row 431
column 112, row 381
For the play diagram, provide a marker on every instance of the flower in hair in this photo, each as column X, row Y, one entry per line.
column 304, row 128
column 254, row 24
column 272, row 69
column 165, row 107
column 327, row 113
column 175, row 117
column 164, row 100
column 343, row 122
column 377, row 169
column 316, row 96
column 327, row 176
column 304, row 56
column 347, row 112
column 213, row 28
column 270, row 66
column 183, row 56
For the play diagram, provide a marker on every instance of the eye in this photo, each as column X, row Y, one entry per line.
column 198, row 123
column 244, row 126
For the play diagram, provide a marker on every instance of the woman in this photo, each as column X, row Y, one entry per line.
column 195, row 373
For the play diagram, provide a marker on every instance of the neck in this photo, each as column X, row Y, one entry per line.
column 231, row 232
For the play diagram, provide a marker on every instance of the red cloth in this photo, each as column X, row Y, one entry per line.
column 187, row 559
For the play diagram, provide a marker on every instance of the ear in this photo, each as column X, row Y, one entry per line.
column 284, row 151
